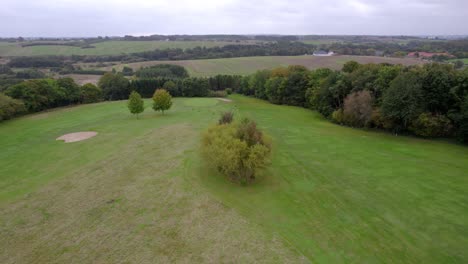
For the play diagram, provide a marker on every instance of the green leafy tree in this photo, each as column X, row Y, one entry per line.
column 72, row 90
column 127, row 70
column 10, row 107
column 162, row 100
column 90, row 93
column 114, row 86
column 350, row 66
column 403, row 101
column 171, row 87
column 135, row 104
column 357, row 109
column 458, row 64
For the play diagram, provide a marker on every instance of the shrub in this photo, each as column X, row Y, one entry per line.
column 226, row 118
column 236, row 150
column 90, row 93
column 357, row 109
column 338, row 116
column 428, row 125
column 228, row 91
column 162, row 100
column 135, row 104
column 10, row 107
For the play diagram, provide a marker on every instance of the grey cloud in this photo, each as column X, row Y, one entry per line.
column 120, row 17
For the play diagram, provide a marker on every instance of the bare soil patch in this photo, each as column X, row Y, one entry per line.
column 78, row 136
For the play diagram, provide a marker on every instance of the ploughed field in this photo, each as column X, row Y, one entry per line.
column 138, row 191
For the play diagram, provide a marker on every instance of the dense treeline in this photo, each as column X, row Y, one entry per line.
column 162, row 70
column 458, row 48
column 37, row 62
column 31, row 96
column 282, row 48
column 428, row 101
column 116, row 87
column 40, row 94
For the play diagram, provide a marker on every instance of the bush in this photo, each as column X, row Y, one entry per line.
column 357, row 109
column 228, row 91
column 90, row 93
column 135, row 104
column 162, row 100
column 10, row 107
column 428, row 125
column 338, row 116
column 226, row 118
column 236, row 150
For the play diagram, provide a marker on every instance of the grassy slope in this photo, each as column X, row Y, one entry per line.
column 102, row 48
column 120, row 196
column 248, row 65
column 138, row 190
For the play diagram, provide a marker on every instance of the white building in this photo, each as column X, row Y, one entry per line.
column 323, row 53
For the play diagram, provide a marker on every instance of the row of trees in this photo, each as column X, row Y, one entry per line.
column 282, row 48
column 429, row 100
column 116, row 87
column 161, row 71
column 40, row 94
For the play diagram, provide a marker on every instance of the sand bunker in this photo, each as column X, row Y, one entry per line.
column 224, row 99
column 78, row 136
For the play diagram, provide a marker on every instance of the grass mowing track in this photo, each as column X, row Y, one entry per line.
column 139, row 191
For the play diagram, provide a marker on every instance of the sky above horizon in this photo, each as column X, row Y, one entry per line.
column 86, row 18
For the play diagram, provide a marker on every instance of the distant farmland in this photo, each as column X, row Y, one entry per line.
column 103, row 48
column 248, row 65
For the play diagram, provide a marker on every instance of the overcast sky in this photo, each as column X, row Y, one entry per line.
column 68, row 18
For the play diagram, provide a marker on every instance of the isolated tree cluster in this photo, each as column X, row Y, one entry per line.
column 162, row 101
column 237, row 150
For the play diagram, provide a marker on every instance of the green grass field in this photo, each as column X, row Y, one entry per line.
column 139, row 192
column 248, row 65
column 465, row 61
column 102, row 48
